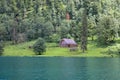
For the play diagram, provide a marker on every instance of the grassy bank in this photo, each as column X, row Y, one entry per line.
column 54, row 50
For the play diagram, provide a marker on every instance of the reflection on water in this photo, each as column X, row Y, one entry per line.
column 59, row 68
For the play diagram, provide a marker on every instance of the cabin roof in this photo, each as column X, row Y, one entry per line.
column 69, row 41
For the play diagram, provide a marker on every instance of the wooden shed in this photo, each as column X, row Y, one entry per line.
column 68, row 43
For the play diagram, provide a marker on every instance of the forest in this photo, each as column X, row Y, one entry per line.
column 88, row 22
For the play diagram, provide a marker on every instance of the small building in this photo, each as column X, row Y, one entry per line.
column 68, row 43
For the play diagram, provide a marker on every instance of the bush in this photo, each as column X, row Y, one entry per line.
column 39, row 47
column 114, row 50
column 1, row 48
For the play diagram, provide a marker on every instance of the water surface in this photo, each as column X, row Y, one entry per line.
column 59, row 68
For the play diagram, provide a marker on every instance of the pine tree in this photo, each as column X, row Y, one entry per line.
column 84, row 29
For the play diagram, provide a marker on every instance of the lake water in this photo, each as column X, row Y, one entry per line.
column 59, row 68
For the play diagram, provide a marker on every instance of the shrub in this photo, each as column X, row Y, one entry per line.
column 1, row 48
column 114, row 50
column 39, row 47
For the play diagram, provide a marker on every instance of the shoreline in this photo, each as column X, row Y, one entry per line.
column 74, row 56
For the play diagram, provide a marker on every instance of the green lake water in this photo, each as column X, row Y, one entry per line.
column 59, row 68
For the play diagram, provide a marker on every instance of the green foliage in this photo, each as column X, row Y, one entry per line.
column 75, row 31
column 1, row 48
column 39, row 47
column 106, row 30
column 44, row 18
column 114, row 50
column 64, row 29
column 92, row 27
column 30, row 34
column 55, row 38
column 47, row 30
column 2, row 32
column 64, row 32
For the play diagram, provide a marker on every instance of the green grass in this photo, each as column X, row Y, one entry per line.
column 19, row 49
column 54, row 50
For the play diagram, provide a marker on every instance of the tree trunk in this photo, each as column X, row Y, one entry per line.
column 84, row 31
column 14, row 36
column 92, row 37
